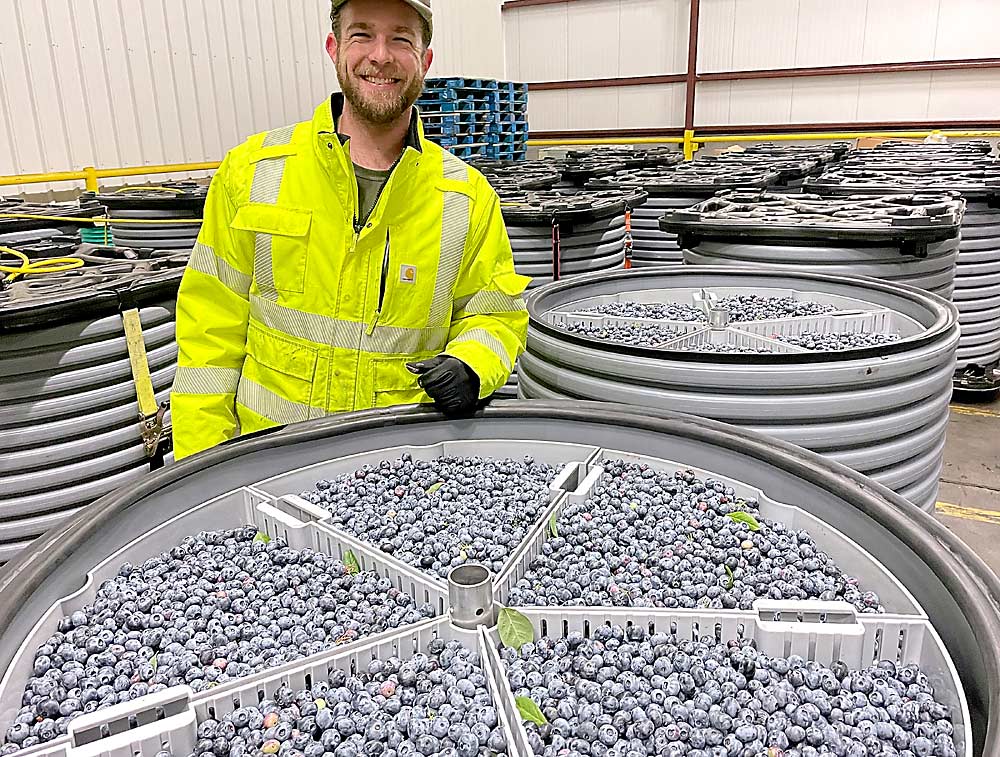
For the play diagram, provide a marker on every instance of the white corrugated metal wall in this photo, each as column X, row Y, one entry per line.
column 124, row 83
column 604, row 38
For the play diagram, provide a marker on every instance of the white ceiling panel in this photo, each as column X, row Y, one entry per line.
column 765, row 34
column 653, row 38
column 824, row 99
column 547, row 111
column 830, row 34
column 900, row 30
column 594, row 36
column 712, row 105
column 761, row 101
column 512, row 45
column 893, row 97
column 968, row 29
column 543, row 42
column 595, row 108
column 651, row 106
column 964, row 95
column 716, row 32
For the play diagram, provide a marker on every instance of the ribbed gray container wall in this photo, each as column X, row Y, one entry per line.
column 69, row 418
column 977, row 285
column 905, row 240
column 882, row 411
column 977, row 275
column 672, row 188
column 554, row 236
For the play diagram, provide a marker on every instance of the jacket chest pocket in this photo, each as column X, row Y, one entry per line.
column 281, row 245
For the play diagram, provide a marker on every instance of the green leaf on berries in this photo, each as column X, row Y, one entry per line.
column 746, row 519
column 262, row 537
column 434, row 487
column 729, row 575
column 529, row 711
column 351, row 563
column 154, row 662
column 515, row 628
column 553, row 530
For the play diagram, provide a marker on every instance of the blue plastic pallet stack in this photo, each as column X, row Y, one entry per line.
column 476, row 117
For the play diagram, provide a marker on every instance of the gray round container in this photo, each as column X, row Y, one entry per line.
column 880, row 410
column 910, row 240
column 952, row 586
column 671, row 188
column 977, row 274
column 69, row 415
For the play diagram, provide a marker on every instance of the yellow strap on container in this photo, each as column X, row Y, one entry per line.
column 140, row 364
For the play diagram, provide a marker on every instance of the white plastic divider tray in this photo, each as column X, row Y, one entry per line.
column 874, row 321
column 240, row 507
column 558, row 318
column 685, row 296
column 824, row 632
column 169, row 719
column 573, row 459
column 730, row 338
column 847, row 553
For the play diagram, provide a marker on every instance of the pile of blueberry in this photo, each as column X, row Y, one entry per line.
column 667, row 311
column 438, row 514
column 741, row 307
column 651, row 538
column 626, row 692
column 639, row 335
column 219, row 606
column 815, row 340
column 728, row 349
column 431, row 704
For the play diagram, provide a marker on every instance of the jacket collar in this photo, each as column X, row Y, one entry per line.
column 328, row 114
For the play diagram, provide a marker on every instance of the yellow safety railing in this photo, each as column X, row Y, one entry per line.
column 690, row 142
column 90, row 175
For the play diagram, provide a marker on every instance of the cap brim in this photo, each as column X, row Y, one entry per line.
column 425, row 12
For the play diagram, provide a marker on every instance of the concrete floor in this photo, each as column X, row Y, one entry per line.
column 969, row 499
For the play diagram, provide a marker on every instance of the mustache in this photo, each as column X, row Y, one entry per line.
column 385, row 74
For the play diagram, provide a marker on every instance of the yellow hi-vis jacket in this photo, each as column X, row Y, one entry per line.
column 289, row 311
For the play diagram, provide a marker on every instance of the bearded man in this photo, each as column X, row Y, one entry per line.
column 346, row 262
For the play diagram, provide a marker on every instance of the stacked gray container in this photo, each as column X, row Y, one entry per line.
column 69, row 414
column 555, row 235
column 904, row 239
column 670, row 188
column 969, row 172
column 882, row 410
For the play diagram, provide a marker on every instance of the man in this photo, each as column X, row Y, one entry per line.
column 346, row 263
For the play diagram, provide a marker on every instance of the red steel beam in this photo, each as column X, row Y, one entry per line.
column 849, row 126
column 606, row 133
column 620, row 81
column 866, row 68
column 692, row 65
column 511, row 4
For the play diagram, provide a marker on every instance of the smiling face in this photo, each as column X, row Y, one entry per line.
column 381, row 59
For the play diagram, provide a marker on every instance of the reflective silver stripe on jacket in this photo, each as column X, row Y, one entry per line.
column 204, row 260
column 206, row 380
column 487, row 340
column 265, row 188
column 455, row 220
column 488, row 301
column 272, row 406
column 348, row 335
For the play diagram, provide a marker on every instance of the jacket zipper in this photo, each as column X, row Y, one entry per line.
column 383, row 280
column 385, row 255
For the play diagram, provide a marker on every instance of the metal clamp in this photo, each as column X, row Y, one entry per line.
column 708, row 302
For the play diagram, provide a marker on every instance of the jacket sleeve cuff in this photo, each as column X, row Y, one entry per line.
column 492, row 371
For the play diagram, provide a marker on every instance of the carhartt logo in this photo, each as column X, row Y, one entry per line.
column 407, row 274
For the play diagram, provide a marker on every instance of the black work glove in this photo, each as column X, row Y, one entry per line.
column 452, row 384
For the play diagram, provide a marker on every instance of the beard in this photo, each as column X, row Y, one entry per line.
column 378, row 108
